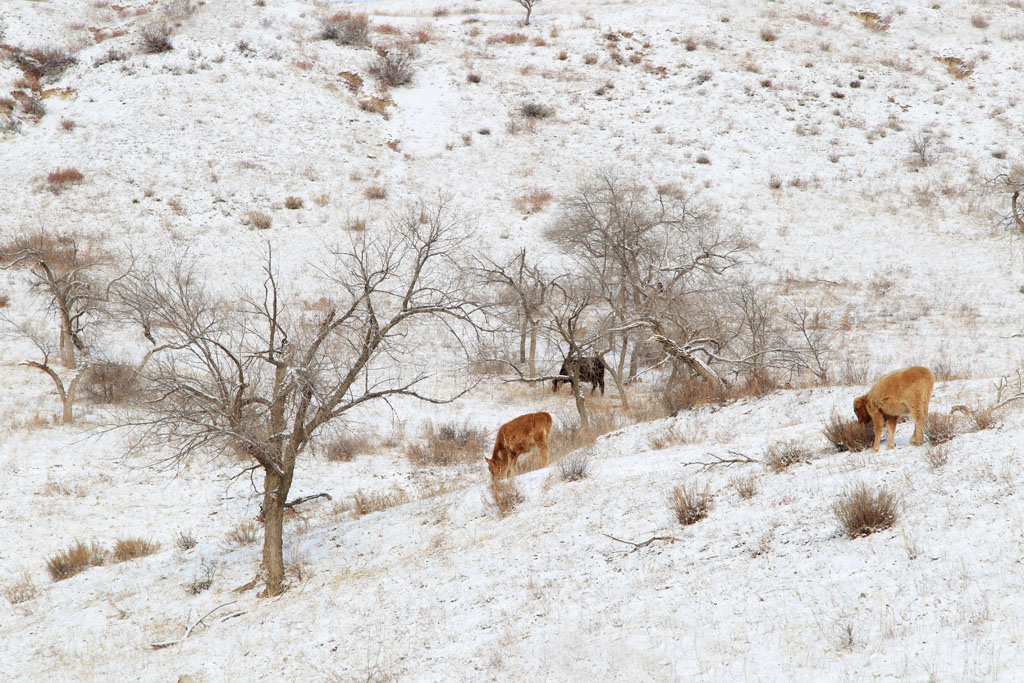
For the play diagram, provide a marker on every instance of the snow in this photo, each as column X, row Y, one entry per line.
column 906, row 258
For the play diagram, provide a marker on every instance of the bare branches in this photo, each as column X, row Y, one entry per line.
column 188, row 631
column 737, row 458
column 642, row 544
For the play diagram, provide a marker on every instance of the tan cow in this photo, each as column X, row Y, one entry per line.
column 517, row 437
column 903, row 392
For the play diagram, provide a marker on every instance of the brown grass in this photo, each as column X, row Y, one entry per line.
column 940, row 428
column 571, row 436
column 449, row 444
column 63, row 178
column 376, row 191
column 293, row 202
column 131, row 548
column 690, row 503
column 75, row 559
column 533, row 200
column 873, row 21
column 505, row 497
column 110, row 383
column 507, row 38
column 246, row 533
column 956, row 66
column 346, row 28
column 393, row 65
column 259, row 220
column 574, row 467
column 156, row 38
column 781, row 455
column 185, row 540
column 745, row 485
column 20, row 590
column 848, row 435
column 862, row 511
column 345, row 447
column 364, row 503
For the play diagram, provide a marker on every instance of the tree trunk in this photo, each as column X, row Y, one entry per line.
column 67, row 345
column 523, row 328
column 69, row 398
column 529, row 10
column 618, row 385
column 275, row 494
column 533, row 349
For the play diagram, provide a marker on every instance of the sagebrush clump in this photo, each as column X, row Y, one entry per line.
column 862, row 511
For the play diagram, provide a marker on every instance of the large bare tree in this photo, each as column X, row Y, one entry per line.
column 263, row 378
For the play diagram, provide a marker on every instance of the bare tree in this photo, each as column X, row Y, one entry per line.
column 74, row 282
column 528, row 6
column 264, row 379
column 524, row 290
column 654, row 254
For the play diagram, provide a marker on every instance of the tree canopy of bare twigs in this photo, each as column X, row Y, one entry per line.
column 73, row 281
column 528, row 6
column 263, row 378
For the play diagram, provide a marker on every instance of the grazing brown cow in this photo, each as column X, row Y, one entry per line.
column 903, row 392
column 517, row 437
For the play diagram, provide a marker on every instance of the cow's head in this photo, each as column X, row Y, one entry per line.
column 860, row 410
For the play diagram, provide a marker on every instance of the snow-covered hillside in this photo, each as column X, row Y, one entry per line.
column 853, row 144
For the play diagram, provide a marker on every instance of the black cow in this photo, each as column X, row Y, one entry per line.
column 590, row 370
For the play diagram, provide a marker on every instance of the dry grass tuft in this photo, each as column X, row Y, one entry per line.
column 690, row 503
column 130, row 548
column 936, row 456
column 185, row 540
column 156, row 38
column 873, row 21
column 345, row 447
column 508, row 38
column 364, row 503
column 21, row 590
column 862, row 511
column 746, row 485
column 259, row 220
column 940, row 428
column 536, row 110
column 533, row 200
column 110, row 383
column 504, row 496
column 574, row 467
column 571, row 436
column 246, row 533
column 393, row 65
column 59, row 180
column 781, row 455
column 346, row 28
column 293, row 202
column 376, row 191
column 75, row 559
column 848, row 435
column 448, row 444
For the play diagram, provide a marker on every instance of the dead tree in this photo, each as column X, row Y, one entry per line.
column 264, row 379
column 528, row 6
column 70, row 277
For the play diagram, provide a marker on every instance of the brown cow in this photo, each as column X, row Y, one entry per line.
column 903, row 392
column 517, row 437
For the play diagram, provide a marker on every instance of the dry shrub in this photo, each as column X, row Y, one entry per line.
column 41, row 62
column 769, row 35
column 507, row 38
column 936, row 456
column 571, row 435
column 504, row 496
column 246, row 533
column 689, row 393
column 533, row 200
column 67, row 125
column 364, row 503
column 346, row 28
column 744, row 485
column 130, row 548
column 345, row 447
column 574, row 467
column 260, row 220
column 982, row 418
column 690, row 502
column 156, row 38
column 21, row 590
column 59, row 180
column 940, row 428
column 293, row 202
column 110, row 383
column 179, row 9
column 185, row 540
column 785, row 453
column 536, row 110
column 203, row 578
column 848, row 435
column 448, row 444
column 393, row 65
column 675, row 434
column 75, row 559
column 376, row 191
column 862, row 511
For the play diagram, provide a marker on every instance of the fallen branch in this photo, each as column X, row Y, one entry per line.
column 306, row 499
column 719, row 460
column 637, row 546
column 188, row 631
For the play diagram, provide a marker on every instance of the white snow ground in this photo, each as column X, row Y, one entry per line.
column 907, row 259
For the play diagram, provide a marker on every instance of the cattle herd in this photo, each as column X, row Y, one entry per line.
column 899, row 393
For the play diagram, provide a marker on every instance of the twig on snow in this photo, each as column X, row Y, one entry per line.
column 637, row 546
column 719, row 460
column 188, row 631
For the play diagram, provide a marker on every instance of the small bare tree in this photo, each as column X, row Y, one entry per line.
column 528, row 6
column 524, row 291
column 74, row 282
column 263, row 379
